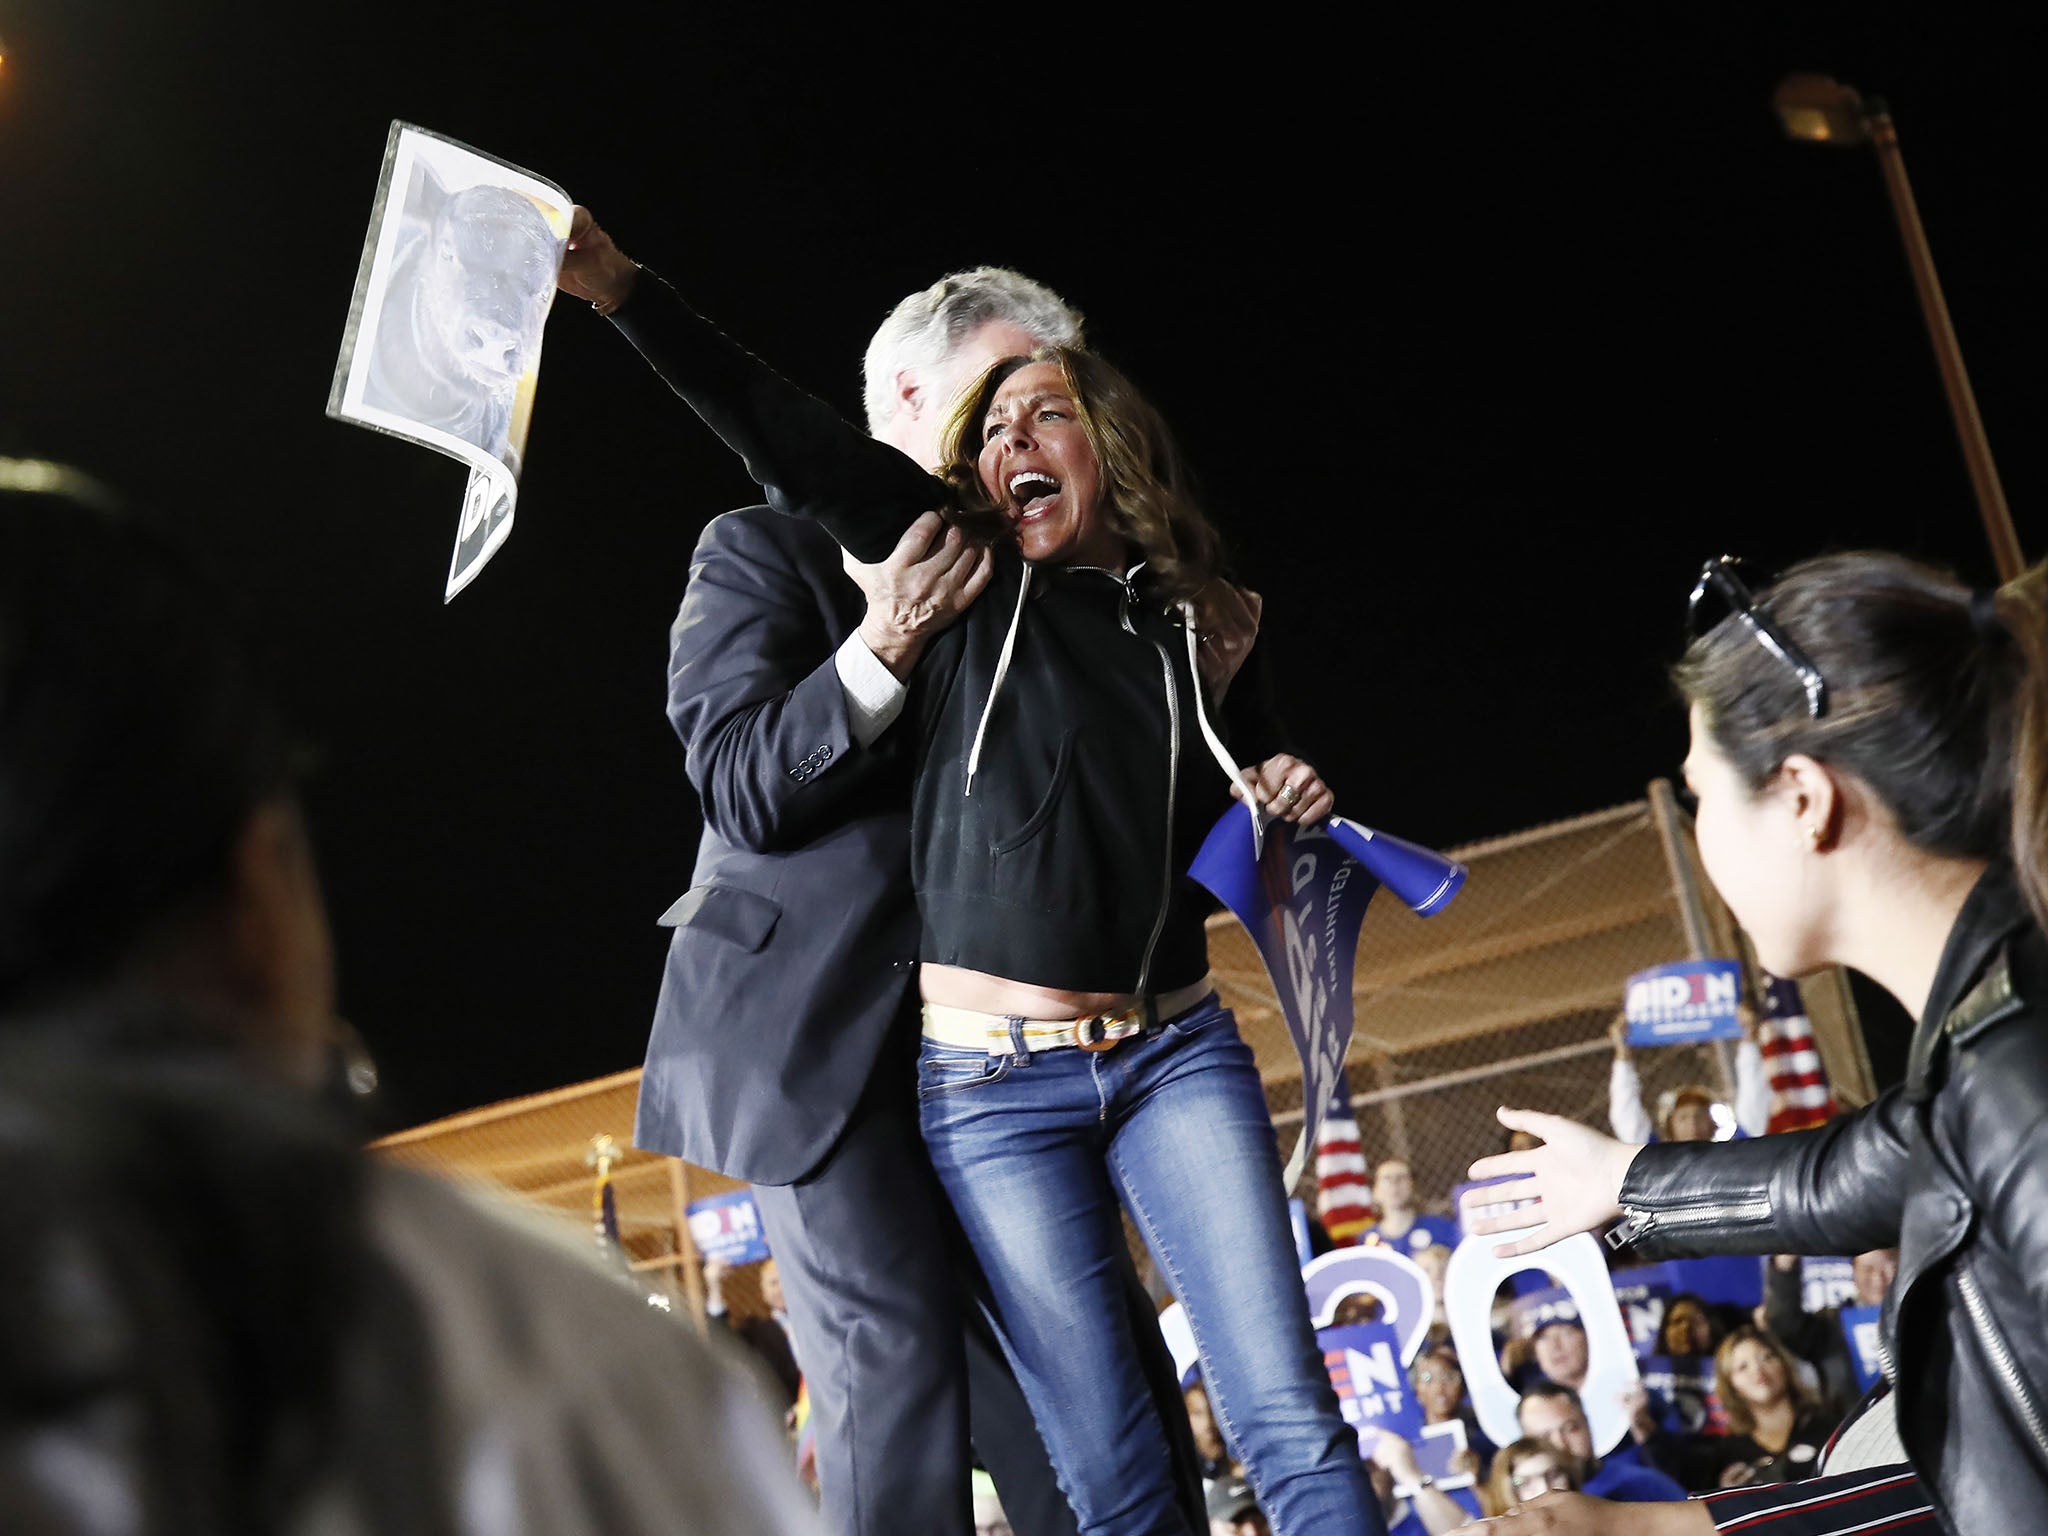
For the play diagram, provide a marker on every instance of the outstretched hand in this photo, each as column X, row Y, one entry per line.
column 1578, row 1514
column 1574, row 1178
column 593, row 268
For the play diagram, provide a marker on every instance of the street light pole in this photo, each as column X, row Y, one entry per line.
column 1824, row 111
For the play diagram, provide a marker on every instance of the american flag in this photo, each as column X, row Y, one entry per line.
column 1343, row 1195
column 1800, row 1096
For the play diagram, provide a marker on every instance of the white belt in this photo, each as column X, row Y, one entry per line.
column 971, row 1029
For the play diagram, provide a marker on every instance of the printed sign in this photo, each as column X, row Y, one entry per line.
column 1402, row 1288
column 1825, row 1283
column 1860, row 1328
column 1301, row 893
column 1475, row 1274
column 1684, row 1003
column 1643, row 1292
column 1683, row 1386
column 1297, row 1221
column 1437, row 1453
column 1372, row 1385
column 727, row 1228
column 442, row 344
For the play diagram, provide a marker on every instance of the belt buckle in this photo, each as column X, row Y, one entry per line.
column 1098, row 1022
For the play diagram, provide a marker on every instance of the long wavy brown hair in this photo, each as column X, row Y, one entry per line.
column 1741, row 1413
column 1146, row 490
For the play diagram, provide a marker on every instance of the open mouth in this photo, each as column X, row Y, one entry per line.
column 1032, row 491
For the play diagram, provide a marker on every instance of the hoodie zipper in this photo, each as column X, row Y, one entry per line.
column 2000, row 1356
column 1172, row 790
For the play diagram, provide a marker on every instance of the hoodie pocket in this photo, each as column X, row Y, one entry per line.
column 1047, row 801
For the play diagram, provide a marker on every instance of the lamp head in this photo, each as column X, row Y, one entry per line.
column 1821, row 110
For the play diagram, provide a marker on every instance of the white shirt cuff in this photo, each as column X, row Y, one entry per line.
column 874, row 696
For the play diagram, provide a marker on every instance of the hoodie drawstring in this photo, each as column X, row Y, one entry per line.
column 996, row 686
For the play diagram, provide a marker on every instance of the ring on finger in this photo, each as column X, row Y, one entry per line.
column 1288, row 795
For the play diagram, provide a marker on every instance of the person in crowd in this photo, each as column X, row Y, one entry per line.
column 989, row 1519
column 1687, row 1113
column 767, row 1335
column 1234, row 1509
column 1689, row 1328
column 1426, row 1509
column 1552, row 1412
column 1776, row 1429
column 1817, row 1337
column 215, row 1313
column 1687, row 1336
column 1439, row 1384
column 1870, row 752
column 1435, row 1261
column 785, row 1038
column 1076, row 1054
column 1527, row 1469
column 1402, row 1224
column 1558, row 1351
column 1216, row 1460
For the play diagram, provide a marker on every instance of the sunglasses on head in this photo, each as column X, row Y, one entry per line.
column 1720, row 592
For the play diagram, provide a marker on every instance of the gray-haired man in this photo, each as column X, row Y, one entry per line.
column 784, row 1045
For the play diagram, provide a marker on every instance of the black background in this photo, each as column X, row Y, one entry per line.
column 1482, row 329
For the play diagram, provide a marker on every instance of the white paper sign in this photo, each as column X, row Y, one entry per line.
column 442, row 345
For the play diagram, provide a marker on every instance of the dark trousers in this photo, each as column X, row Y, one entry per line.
column 896, row 1349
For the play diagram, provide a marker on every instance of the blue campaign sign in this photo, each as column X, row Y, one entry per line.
column 1734, row 1280
column 1684, row 1387
column 1436, row 1454
column 1364, row 1362
column 1684, row 1003
column 1402, row 1287
column 1860, row 1328
column 1825, row 1283
column 1545, row 1304
column 1301, row 893
column 1643, row 1292
column 727, row 1228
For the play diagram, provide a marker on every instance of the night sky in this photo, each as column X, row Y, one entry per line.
column 1481, row 335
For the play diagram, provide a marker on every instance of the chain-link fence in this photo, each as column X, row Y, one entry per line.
column 1509, row 994
column 1505, row 997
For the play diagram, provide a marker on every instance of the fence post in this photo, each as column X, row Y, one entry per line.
column 1692, row 904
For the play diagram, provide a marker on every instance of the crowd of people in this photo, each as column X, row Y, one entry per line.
column 939, row 993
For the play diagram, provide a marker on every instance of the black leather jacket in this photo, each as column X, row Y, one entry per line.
column 1952, row 1167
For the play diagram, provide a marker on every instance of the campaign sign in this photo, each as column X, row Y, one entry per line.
column 727, row 1228
column 1402, row 1287
column 1437, row 1453
column 1364, row 1362
column 1733, row 1280
column 1297, row 1218
column 1301, row 893
column 1825, row 1283
column 1549, row 1304
column 1860, row 1328
column 1684, row 1003
column 1644, row 1292
column 1682, row 1386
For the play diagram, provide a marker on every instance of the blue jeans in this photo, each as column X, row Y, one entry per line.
column 1035, row 1151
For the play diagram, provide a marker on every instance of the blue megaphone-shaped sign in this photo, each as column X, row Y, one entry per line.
column 1423, row 878
column 1301, row 893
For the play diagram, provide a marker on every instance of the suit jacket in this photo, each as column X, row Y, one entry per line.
column 793, row 949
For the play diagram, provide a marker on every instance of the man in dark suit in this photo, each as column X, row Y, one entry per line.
column 784, row 1043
